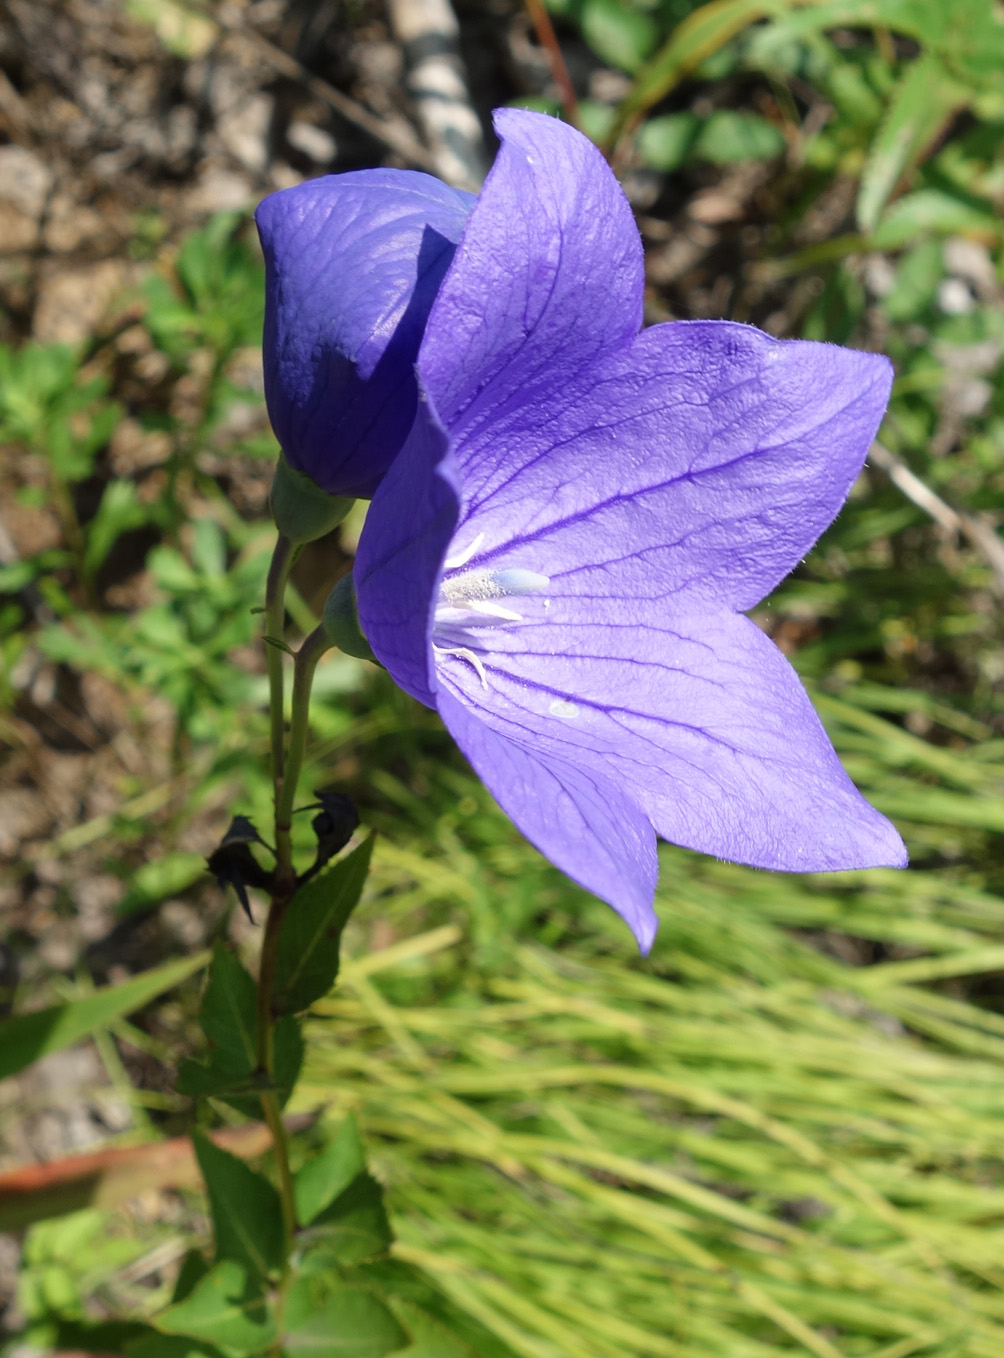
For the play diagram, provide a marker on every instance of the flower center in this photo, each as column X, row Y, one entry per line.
column 470, row 600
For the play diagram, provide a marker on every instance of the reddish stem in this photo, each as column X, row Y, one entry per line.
column 548, row 39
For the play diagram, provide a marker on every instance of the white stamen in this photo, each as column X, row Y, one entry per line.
column 471, row 600
column 494, row 610
column 467, row 655
column 461, row 559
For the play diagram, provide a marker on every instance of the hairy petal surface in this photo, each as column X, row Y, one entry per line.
column 548, row 278
column 699, row 464
column 353, row 264
column 700, row 721
column 577, row 817
column 401, row 551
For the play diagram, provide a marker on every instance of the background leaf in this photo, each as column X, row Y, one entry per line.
column 27, row 1037
column 924, row 99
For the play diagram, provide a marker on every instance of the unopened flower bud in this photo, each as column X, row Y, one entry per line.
column 341, row 621
column 301, row 509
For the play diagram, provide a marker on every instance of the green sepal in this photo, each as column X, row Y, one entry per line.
column 301, row 509
column 340, row 620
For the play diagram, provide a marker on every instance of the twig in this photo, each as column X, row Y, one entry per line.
column 980, row 533
column 548, row 39
column 430, row 35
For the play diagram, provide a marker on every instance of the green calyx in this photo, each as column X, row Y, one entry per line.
column 341, row 621
column 301, row 509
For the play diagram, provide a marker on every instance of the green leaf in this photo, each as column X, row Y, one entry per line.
column 618, row 34
column 917, row 278
column 244, row 1089
column 698, row 37
column 339, row 1322
column 922, row 102
column 228, row 1020
column 665, row 143
column 355, row 1227
column 27, row 1037
column 153, row 1344
column 247, row 1216
column 308, row 954
column 430, row 1338
column 193, row 1269
column 937, row 211
column 120, row 511
column 729, row 137
column 226, row 1308
column 228, row 1014
column 162, row 877
column 318, row 1183
column 439, row 1327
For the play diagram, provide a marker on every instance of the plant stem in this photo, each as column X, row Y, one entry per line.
column 548, row 39
column 275, row 617
column 304, row 666
column 286, row 773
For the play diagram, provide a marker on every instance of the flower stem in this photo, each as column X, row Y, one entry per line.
column 285, row 775
column 275, row 618
column 286, row 768
column 304, row 666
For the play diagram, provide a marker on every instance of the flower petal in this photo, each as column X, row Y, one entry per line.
column 575, row 816
column 549, row 276
column 697, row 466
column 400, row 556
column 353, row 263
column 699, row 719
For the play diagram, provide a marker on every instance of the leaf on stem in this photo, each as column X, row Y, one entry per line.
column 226, row 1308
column 353, row 1229
column 307, row 959
column 439, row 1328
column 228, row 1019
column 318, row 1183
column 325, row 1321
column 246, row 1212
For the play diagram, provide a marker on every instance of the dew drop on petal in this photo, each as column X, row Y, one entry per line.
column 561, row 707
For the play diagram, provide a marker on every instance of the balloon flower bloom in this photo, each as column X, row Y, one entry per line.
column 560, row 556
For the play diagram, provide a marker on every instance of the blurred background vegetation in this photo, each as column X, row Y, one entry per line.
column 782, row 1133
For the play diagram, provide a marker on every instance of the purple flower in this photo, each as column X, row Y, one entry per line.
column 352, row 265
column 559, row 558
